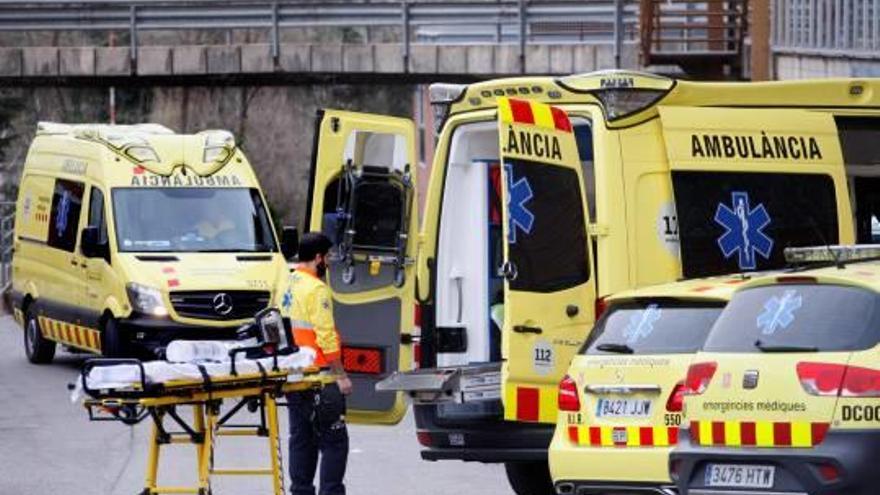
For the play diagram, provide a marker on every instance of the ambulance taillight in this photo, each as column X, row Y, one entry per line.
column 831, row 379
column 567, row 398
column 675, row 402
column 699, row 376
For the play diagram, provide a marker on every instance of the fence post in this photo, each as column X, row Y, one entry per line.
column 618, row 31
column 132, row 34
column 523, row 26
column 405, row 26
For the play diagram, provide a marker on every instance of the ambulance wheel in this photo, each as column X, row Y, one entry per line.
column 112, row 344
column 38, row 349
column 529, row 478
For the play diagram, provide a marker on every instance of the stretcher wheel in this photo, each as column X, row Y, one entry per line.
column 38, row 349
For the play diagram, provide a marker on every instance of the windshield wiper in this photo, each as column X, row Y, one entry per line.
column 613, row 347
column 784, row 348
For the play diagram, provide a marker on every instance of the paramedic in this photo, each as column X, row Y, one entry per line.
column 317, row 418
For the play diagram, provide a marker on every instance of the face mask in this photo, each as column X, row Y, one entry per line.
column 321, row 269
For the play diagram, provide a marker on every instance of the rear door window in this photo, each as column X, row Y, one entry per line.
column 549, row 248
column 733, row 222
column 793, row 317
column 64, row 215
column 654, row 327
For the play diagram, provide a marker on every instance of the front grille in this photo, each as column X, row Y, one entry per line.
column 205, row 305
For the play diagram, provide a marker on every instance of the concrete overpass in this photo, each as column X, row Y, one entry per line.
column 292, row 41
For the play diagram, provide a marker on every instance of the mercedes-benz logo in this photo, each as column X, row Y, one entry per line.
column 222, row 304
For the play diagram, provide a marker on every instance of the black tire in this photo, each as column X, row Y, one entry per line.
column 38, row 349
column 113, row 344
column 529, row 478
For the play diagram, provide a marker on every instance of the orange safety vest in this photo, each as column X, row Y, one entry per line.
column 309, row 305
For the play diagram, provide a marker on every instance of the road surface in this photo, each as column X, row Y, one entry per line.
column 48, row 446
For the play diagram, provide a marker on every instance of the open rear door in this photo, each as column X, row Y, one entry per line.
column 750, row 182
column 362, row 195
column 549, row 292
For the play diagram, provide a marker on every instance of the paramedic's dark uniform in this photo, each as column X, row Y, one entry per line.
column 317, row 419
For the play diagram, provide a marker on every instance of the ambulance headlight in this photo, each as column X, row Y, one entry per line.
column 146, row 300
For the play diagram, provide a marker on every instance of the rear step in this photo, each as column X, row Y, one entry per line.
column 459, row 384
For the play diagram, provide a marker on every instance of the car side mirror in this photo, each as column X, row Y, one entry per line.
column 289, row 242
column 92, row 245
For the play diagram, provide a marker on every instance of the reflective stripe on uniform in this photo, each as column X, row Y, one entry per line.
column 758, row 433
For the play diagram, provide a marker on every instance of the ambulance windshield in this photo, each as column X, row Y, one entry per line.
column 191, row 220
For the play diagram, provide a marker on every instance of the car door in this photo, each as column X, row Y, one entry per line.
column 99, row 275
column 549, row 291
column 362, row 194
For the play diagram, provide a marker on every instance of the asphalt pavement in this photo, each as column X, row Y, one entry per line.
column 48, row 446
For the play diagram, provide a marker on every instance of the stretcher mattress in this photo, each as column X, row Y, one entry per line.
column 190, row 363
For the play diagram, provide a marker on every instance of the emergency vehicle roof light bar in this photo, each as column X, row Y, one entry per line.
column 127, row 140
column 219, row 146
column 442, row 96
column 832, row 254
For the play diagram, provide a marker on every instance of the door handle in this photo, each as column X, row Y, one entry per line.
column 527, row 329
column 73, row 262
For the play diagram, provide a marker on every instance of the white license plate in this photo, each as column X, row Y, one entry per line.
column 740, row 475
column 623, row 408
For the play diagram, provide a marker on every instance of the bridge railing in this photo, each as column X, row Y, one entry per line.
column 414, row 21
column 827, row 27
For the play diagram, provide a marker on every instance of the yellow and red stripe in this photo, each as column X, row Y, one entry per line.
column 758, row 433
column 70, row 334
column 516, row 111
column 531, row 404
column 636, row 436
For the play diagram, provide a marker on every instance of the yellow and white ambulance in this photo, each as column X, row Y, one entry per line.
column 130, row 236
column 783, row 397
column 530, row 222
column 620, row 404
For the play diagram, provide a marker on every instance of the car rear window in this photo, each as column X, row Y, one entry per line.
column 792, row 317
column 654, row 327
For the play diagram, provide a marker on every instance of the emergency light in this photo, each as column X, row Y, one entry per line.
column 832, row 254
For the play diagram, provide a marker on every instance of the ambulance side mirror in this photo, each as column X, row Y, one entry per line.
column 92, row 245
column 289, row 242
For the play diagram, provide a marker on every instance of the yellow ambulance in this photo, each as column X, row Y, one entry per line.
column 130, row 236
column 545, row 196
column 783, row 398
column 620, row 404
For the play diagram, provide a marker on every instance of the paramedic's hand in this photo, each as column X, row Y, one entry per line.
column 344, row 383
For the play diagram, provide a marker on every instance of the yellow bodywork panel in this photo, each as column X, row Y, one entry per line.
column 369, row 157
column 544, row 311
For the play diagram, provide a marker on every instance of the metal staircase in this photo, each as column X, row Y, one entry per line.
column 704, row 38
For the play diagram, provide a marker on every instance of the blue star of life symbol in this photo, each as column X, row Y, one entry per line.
column 744, row 233
column 779, row 312
column 287, row 299
column 641, row 324
column 63, row 213
column 519, row 192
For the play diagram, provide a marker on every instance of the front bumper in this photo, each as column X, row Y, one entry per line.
column 481, row 439
column 852, row 452
column 154, row 334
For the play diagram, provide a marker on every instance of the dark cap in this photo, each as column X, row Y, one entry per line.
column 312, row 244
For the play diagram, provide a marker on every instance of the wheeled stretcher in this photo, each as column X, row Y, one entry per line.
column 131, row 391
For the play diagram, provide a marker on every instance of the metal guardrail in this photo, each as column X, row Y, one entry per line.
column 419, row 21
column 7, row 236
column 848, row 28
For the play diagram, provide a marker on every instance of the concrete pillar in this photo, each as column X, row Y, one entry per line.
column 759, row 28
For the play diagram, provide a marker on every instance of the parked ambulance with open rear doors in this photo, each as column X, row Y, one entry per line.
column 620, row 404
column 547, row 195
column 128, row 237
column 783, row 397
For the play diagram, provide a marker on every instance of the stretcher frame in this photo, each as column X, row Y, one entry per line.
column 160, row 403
